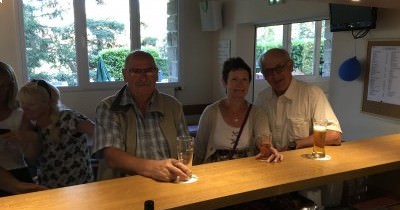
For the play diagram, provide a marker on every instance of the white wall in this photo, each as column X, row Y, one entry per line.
column 201, row 71
column 9, row 44
column 346, row 97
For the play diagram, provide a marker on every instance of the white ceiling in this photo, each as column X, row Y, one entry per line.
column 372, row 3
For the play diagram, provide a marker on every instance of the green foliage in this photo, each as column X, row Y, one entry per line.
column 262, row 48
column 105, row 32
column 301, row 53
column 41, row 75
column 114, row 59
column 63, row 76
column 149, row 41
column 160, row 62
column 55, row 45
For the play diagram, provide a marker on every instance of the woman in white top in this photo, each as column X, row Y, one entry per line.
column 220, row 122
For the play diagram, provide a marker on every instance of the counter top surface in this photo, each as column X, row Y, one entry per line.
column 224, row 183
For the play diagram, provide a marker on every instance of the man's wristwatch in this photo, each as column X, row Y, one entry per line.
column 292, row 145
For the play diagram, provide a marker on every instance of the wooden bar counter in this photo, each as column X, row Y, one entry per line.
column 224, row 183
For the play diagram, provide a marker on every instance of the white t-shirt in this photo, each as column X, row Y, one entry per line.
column 11, row 156
column 225, row 135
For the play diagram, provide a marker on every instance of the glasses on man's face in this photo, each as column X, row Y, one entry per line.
column 278, row 69
column 147, row 71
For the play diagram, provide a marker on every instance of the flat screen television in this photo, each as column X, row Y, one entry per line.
column 350, row 17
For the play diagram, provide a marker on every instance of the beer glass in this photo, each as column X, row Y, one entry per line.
column 319, row 133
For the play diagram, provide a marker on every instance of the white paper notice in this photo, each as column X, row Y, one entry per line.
column 384, row 75
column 224, row 50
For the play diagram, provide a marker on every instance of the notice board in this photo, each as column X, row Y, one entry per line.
column 382, row 79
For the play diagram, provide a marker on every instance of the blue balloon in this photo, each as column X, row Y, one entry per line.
column 350, row 69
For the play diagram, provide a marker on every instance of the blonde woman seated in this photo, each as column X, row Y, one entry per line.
column 63, row 154
column 220, row 123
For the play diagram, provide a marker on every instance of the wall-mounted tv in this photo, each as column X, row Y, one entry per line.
column 350, row 17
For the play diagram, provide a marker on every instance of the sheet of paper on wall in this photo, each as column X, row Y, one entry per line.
column 224, row 50
column 384, row 75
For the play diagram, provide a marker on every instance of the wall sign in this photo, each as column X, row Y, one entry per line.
column 382, row 79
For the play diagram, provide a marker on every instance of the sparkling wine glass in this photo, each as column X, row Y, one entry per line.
column 185, row 151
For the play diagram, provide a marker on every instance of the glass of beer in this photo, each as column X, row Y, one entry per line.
column 319, row 133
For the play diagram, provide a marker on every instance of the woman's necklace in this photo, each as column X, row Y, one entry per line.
column 235, row 117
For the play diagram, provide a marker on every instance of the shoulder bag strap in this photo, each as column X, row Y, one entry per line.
column 240, row 133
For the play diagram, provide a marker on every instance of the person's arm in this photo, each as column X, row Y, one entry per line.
column 26, row 139
column 204, row 134
column 161, row 170
column 10, row 184
column 87, row 127
column 323, row 109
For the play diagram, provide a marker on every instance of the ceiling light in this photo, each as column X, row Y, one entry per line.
column 274, row 2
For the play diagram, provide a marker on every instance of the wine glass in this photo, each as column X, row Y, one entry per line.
column 264, row 144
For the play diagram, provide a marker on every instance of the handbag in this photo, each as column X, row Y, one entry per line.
column 240, row 132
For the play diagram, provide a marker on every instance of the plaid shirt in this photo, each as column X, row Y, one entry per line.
column 151, row 143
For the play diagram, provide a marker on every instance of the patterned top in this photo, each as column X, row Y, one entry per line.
column 64, row 161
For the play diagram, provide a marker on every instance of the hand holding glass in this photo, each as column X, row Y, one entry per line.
column 264, row 143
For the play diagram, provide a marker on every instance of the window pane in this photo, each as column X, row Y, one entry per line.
column 325, row 50
column 108, row 35
column 50, row 41
column 159, row 36
column 267, row 38
column 302, row 52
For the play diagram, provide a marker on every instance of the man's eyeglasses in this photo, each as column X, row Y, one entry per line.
column 277, row 69
column 148, row 71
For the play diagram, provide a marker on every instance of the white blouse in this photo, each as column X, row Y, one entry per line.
column 225, row 135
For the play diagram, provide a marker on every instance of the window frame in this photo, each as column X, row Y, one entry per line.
column 286, row 43
column 82, row 59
